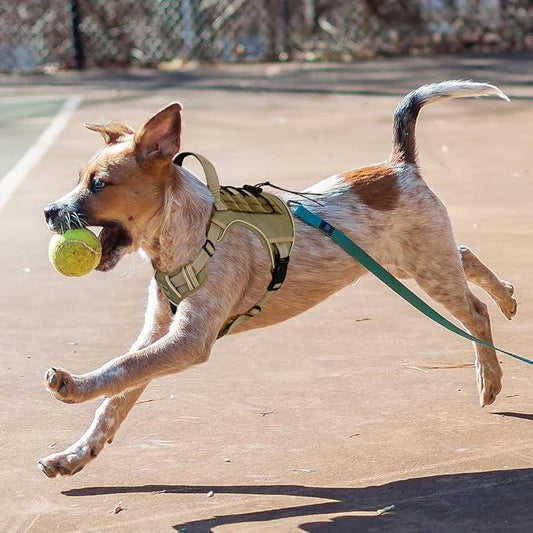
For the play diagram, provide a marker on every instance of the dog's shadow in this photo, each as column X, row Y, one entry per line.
column 484, row 501
column 512, row 414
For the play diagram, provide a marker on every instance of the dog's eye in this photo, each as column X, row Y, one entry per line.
column 97, row 185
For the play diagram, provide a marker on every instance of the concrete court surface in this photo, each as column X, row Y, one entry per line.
column 317, row 423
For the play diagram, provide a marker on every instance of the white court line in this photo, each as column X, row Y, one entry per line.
column 10, row 182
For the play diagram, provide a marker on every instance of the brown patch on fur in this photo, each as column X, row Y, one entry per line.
column 376, row 186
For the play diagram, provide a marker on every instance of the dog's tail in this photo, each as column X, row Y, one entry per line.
column 404, row 144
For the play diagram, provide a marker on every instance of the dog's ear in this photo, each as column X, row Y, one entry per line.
column 113, row 132
column 160, row 137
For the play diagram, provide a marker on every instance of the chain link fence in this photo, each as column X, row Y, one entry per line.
column 47, row 35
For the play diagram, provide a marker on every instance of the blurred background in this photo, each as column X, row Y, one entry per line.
column 51, row 35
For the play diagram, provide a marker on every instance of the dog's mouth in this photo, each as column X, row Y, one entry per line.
column 115, row 242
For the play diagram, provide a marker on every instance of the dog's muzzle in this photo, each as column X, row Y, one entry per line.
column 60, row 217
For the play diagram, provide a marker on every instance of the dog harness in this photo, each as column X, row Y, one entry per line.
column 270, row 219
column 267, row 215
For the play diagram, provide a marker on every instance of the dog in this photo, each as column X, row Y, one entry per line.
column 143, row 201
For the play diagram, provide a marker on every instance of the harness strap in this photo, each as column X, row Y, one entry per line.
column 386, row 277
column 237, row 320
column 211, row 177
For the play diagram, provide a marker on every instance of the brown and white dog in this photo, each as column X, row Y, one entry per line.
column 143, row 201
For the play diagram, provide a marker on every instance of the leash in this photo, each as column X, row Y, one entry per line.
column 298, row 210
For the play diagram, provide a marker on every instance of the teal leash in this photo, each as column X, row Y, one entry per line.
column 298, row 210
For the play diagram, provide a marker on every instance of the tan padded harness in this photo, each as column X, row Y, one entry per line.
column 267, row 215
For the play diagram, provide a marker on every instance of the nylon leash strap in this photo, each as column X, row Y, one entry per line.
column 298, row 210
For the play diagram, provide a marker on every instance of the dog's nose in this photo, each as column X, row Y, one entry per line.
column 50, row 212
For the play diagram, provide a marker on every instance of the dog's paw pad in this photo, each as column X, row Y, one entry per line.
column 508, row 304
column 47, row 469
column 491, row 385
column 509, row 287
column 60, row 383
column 64, row 466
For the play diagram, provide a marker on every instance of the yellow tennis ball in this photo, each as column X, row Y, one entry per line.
column 75, row 252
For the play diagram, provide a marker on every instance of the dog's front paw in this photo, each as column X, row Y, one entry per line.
column 63, row 386
column 66, row 463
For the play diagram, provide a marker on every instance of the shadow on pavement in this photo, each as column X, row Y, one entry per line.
column 483, row 501
column 525, row 416
column 381, row 77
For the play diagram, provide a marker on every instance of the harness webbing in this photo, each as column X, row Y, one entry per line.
column 267, row 215
column 386, row 277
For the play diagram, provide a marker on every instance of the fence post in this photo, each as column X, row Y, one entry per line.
column 79, row 55
column 286, row 15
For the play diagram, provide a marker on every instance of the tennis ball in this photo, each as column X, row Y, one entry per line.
column 75, row 252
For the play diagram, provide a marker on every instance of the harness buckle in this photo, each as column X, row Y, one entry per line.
column 209, row 248
column 278, row 274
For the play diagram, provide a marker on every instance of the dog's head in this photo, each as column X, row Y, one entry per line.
column 122, row 188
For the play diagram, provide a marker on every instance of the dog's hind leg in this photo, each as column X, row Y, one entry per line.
column 499, row 290
column 442, row 277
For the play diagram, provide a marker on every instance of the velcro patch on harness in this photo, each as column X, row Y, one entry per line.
column 243, row 201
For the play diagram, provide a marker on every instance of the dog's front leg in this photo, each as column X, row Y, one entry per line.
column 112, row 411
column 107, row 420
column 187, row 343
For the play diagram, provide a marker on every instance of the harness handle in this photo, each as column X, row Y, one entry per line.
column 211, row 177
